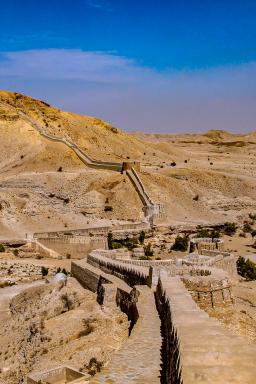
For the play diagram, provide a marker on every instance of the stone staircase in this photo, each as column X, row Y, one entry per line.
column 138, row 361
column 150, row 209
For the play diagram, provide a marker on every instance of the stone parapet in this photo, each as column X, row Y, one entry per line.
column 197, row 348
column 132, row 275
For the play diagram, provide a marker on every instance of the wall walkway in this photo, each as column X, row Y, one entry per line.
column 149, row 207
column 199, row 348
column 138, row 361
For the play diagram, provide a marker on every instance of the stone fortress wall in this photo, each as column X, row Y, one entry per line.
column 75, row 248
column 209, row 286
column 77, row 243
column 151, row 210
column 136, row 227
column 194, row 346
column 201, row 244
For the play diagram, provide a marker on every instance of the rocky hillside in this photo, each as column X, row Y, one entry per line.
column 44, row 186
column 43, row 183
column 98, row 138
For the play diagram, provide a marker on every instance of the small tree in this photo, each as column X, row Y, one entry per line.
column 110, row 240
column 66, row 301
column 2, row 248
column 246, row 268
column 148, row 250
column 230, row 229
column 142, row 237
column 44, row 271
column 181, row 243
column 247, row 228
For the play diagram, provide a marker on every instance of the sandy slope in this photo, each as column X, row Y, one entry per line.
column 213, row 180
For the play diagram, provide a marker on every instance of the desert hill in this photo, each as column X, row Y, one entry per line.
column 44, row 186
column 98, row 138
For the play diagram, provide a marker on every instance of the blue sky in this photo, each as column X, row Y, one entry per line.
column 159, row 66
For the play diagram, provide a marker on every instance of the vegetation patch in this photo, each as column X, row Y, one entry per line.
column 229, row 229
column 181, row 243
column 205, row 233
column 246, row 268
column 2, row 248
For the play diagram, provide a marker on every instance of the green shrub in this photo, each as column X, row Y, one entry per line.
column 148, row 250
column 115, row 245
column 207, row 233
column 2, row 248
column 229, row 229
column 44, row 271
column 247, row 228
column 121, row 243
column 246, row 268
column 142, row 237
column 181, row 243
column 252, row 216
column 110, row 239
column 108, row 208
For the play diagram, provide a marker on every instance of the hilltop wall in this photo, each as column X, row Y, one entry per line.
column 129, row 167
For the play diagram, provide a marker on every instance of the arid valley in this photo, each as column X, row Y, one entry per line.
column 124, row 257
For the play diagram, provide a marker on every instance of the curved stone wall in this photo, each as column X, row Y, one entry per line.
column 200, row 244
column 131, row 275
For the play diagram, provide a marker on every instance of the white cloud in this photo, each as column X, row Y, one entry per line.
column 99, row 4
column 132, row 96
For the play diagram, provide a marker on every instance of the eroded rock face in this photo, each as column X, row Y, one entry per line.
column 55, row 324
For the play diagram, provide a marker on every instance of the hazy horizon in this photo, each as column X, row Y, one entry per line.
column 169, row 68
